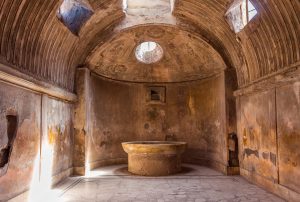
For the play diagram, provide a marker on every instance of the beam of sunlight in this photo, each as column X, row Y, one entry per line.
column 87, row 168
column 172, row 2
column 40, row 188
column 92, row 173
column 88, row 171
column 97, row 173
column 124, row 6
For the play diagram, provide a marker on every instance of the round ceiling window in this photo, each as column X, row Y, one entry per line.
column 149, row 52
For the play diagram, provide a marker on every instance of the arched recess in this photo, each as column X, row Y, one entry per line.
column 233, row 59
column 128, row 97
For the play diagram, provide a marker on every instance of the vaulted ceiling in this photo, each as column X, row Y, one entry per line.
column 35, row 42
column 185, row 57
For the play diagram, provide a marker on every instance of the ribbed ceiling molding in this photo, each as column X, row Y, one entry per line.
column 35, row 42
column 271, row 41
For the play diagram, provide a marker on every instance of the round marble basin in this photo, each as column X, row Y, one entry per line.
column 154, row 158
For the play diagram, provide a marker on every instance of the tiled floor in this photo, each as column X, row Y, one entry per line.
column 196, row 183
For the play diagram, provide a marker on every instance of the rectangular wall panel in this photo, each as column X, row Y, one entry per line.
column 288, row 117
column 257, row 134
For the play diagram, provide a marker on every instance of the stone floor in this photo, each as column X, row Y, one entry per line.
column 196, row 183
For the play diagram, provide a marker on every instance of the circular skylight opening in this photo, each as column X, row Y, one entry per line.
column 149, row 52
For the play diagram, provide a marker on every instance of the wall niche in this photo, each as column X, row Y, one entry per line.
column 156, row 94
column 5, row 151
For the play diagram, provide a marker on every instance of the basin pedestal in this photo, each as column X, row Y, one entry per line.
column 153, row 158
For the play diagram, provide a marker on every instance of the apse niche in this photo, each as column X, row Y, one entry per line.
column 74, row 13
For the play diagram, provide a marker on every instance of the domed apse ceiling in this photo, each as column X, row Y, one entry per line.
column 185, row 56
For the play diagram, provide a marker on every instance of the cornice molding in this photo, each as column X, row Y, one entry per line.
column 13, row 77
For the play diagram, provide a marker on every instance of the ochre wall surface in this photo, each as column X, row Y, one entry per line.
column 44, row 126
column 269, row 138
column 35, row 42
column 81, row 119
column 288, row 129
column 60, row 134
column 27, row 106
column 193, row 112
column 257, row 134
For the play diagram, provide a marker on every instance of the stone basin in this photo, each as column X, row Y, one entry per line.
column 154, row 158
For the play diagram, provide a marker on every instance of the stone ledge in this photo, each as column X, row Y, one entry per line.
column 62, row 175
column 233, row 170
column 107, row 162
column 55, row 179
column 286, row 76
column 208, row 163
column 80, row 171
column 277, row 189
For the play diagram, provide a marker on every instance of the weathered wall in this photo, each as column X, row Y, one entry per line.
column 27, row 106
column 257, row 134
column 41, row 119
column 193, row 112
column 114, row 118
column 269, row 138
column 59, row 122
column 81, row 120
column 288, row 130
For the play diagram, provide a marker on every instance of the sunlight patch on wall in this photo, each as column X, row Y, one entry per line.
column 40, row 188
